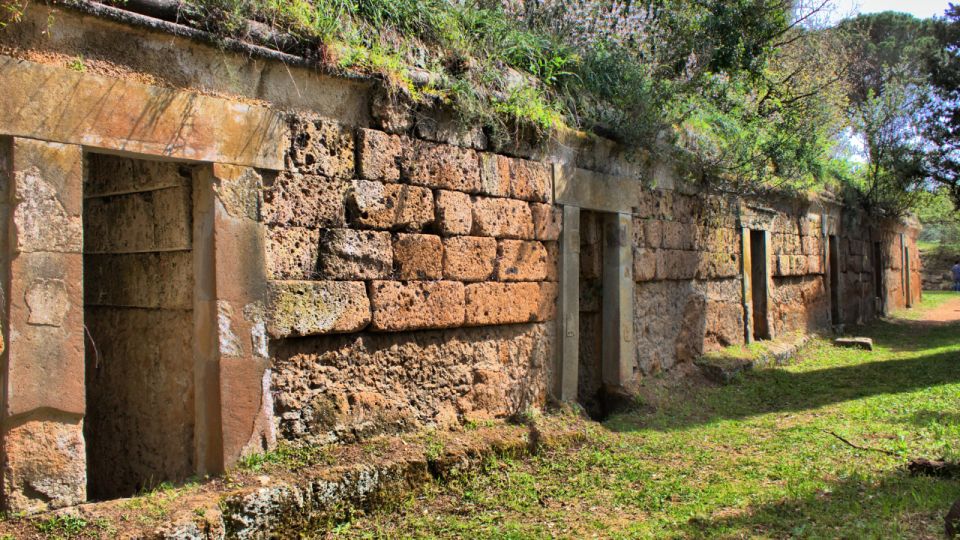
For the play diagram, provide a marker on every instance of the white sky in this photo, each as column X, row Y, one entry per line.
column 918, row 8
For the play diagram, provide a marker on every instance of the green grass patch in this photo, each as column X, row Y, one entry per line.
column 756, row 459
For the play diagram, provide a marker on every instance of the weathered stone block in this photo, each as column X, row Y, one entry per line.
column 653, row 233
column 321, row 147
column 443, row 167
column 519, row 260
column 674, row 264
column 553, row 260
column 291, row 252
column 454, row 213
column 547, row 221
column 380, row 155
column 415, row 305
column 131, row 280
column 418, row 256
column 44, row 465
column 47, row 190
column 677, row 235
column 350, row 254
column 112, row 175
column 510, row 303
column 306, row 308
column 591, row 261
column 531, row 181
column 644, row 264
column 494, row 175
column 389, row 206
column 45, row 351
column 469, row 258
column 718, row 265
column 502, row 218
column 298, row 200
column 146, row 221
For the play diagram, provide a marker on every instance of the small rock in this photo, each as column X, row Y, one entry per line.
column 952, row 521
column 855, row 343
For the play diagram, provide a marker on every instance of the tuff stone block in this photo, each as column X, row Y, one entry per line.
column 304, row 200
column 130, row 280
column 519, row 260
column 415, row 305
column 44, row 464
column 443, row 167
column 644, row 264
column 112, row 175
column 355, row 255
column 389, row 206
column 677, row 265
column 454, row 213
column 146, row 221
column 653, row 233
column 321, row 147
column 531, row 181
column 502, row 218
column 553, row 260
column 469, row 258
column 510, row 303
column 291, row 252
column 547, row 221
column 418, row 256
column 380, row 155
column 494, row 175
column 306, row 308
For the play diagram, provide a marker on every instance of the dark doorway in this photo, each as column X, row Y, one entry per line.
column 877, row 271
column 834, row 250
column 589, row 371
column 758, row 284
column 138, row 312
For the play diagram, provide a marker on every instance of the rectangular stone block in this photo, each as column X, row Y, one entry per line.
column 469, row 258
column 355, row 255
column 418, row 256
column 675, row 265
column 494, row 175
column 47, row 187
column 389, row 206
column 502, row 218
column 45, row 351
column 137, row 222
column 591, row 261
column 677, row 235
column 380, row 155
column 510, row 303
column 44, row 465
column 553, row 260
column 321, row 147
column 306, row 308
column 161, row 280
column 653, row 233
column 547, row 221
column 718, row 265
column 114, row 175
column 454, row 213
column 440, row 166
column 304, row 200
column 519, row 260
column 531, row 181
column 644, row 264
column 415, row 305
column 291, row 252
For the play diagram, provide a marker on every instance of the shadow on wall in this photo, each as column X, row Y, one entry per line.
column 775, row 390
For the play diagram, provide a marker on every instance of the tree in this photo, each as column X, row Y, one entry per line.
column 943, row 120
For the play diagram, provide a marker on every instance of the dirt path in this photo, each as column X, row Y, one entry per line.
column 949, row 312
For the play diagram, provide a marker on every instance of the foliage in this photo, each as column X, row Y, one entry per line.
column 943, row 123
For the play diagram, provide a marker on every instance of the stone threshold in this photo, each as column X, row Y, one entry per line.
column 280, row 501
column 724, row 367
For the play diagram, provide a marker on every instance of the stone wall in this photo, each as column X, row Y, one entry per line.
column 406, row 244
column 687, row 268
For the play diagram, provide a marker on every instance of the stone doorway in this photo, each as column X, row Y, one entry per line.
column 138, row 311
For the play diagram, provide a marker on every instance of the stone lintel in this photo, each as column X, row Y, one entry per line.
column 595, row 191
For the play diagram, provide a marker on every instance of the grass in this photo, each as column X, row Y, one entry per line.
column 756, row 459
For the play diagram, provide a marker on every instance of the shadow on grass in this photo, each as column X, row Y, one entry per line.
column 775, row 390
column 895, row 505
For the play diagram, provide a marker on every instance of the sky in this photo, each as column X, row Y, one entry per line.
column 918, row 8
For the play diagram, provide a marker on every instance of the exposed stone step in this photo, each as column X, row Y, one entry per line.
column 725, row 366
